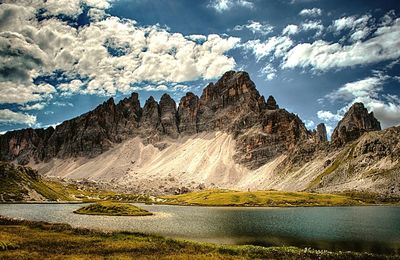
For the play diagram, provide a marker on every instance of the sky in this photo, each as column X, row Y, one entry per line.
column 59, row 59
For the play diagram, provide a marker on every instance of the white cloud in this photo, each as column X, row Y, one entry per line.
column 309, row 124
column 268, row 71
column 290, row 29
column 255, row 27
column 328, row 116
column 154, row 88
column 311, row 12
column 386, row 107
column 72, row 87
column 358, row 26
column 180, row 87
column 350, row 22
column 10, row 117
column 323, row 55
column 313, row 26
column 150, row 53
column 225, row 5
column 14, row 92
column 276, row 46
column 63, row 104
column 366, row 87
column 37, row 106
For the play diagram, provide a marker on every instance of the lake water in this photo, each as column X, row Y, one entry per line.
column 372, row 228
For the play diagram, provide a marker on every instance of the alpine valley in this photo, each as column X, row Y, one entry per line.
column 228, row 138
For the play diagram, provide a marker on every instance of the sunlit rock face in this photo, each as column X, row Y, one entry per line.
column 355, row 123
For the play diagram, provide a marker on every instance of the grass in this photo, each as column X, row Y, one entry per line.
column 91, row 194
column 40, row 240
column 112, row 209
column 18, row 181
column 259, row 198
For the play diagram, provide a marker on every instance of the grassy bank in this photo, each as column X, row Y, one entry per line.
column 40, row 240
column 260, row 198
column 112, row 209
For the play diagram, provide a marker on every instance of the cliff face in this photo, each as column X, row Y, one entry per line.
column 355, row 123
column 262, row 130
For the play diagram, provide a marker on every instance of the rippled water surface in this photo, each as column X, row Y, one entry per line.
column 372, row 228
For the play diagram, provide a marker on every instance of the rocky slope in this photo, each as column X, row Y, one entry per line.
column 228, row 137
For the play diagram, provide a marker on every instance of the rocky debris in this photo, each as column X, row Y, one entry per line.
column 187, row 113
column 168, row 116
column 271, row 103
column 320, row 134
column 355, row 123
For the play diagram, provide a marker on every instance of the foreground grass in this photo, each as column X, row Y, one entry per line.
column 112, row 209
column 40, row 240
column 260, row 198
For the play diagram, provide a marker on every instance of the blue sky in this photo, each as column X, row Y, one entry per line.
column 60, row 59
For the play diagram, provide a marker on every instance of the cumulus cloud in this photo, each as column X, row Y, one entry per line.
column 313, row 26
column 311, row 12
column 109, row 62
column 322, row 55
column 276, row 46
column 290, row 29
column 328, row 116
column 368, row 91
column 255, row 27
column 10, row 117
column 14, row 92
column 358, row 26
column 225, row 5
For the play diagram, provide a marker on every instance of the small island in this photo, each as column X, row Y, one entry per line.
column 112, row 209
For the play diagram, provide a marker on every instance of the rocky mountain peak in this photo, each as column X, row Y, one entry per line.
column 321, row 134
column 271, row 103
column 187, row 113
column 355, row 122
column 168, row 116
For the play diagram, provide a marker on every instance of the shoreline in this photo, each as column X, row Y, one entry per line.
column 24, row 238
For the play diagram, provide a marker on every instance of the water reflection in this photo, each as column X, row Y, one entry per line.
column 374, row 229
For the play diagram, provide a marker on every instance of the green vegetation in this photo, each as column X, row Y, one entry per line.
column 112, row 209
column 86, row 193
column 341, row 159
column 40, row 240
column 259, row 198
column 20, row 183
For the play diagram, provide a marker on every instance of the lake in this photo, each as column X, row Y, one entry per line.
column 371, row 228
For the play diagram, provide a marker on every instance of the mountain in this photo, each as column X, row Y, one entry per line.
column 229, row 137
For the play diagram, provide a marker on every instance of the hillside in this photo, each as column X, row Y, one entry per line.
column 19, row 183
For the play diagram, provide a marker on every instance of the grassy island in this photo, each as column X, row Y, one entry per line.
column 260, row 198
column 112, row 209
column 20, row 239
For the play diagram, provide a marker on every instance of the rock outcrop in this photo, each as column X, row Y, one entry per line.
column 187, row 113
column 271, row 103
column 168, row 116
column 321, row 134
column 355, row 123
